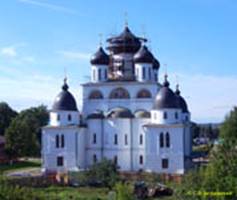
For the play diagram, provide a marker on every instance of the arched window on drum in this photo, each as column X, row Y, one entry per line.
column 144, row 93
column 119, row 93
column 96, row 94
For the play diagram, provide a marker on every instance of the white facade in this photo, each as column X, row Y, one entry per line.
column 118, row 121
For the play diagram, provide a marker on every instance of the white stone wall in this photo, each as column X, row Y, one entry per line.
column 174, row 153
column 95, row 73
column 157, row 116
column 148, row 75
column 60, row 118
column 73, row 139
column 105, row 104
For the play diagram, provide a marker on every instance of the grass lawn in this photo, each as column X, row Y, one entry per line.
column 64, row 193
column 21, row 164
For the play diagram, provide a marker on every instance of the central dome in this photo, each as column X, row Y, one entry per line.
column 125, row 42
column 165, row 98
column 65, row 100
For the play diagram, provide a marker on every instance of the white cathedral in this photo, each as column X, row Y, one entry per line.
column 127, row 116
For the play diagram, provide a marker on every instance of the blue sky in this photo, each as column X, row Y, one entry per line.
column 195, row 38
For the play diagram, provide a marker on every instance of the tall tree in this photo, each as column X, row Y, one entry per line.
column 23, row 134
column 6, row 116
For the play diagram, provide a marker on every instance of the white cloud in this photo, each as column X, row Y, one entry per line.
column 75, row 55
column 49, row 6
column 9, row 51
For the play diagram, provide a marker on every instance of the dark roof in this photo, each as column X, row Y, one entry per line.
column 165, row 98
column 100, row 58
column 142, row 114
column 96, row 115
column 64, row 100
column 125, row 42
column 156, row 64
column 182, row 103
column 143, row 55
column 120, row 113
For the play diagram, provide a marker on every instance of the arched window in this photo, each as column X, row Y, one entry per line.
column 165, row 115
column 144, row 93
column 167, row 138
column 161, row 140
column 141, row 160
column 62, row 141
column 57, row 141
column 141, row 139
column 149, row 72
column 119, row 93
column 126, row 139
column 99, row 74
column 96, row 94
column 115, row 139
column 58, row 117
column 143, row 73
column 93, row 72
column 176, row 115
column 94, row 138
column 94, row 158
column 69, row 117
column 105, row 74
column 116, row 160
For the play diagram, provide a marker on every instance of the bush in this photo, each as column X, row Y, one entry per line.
column 124, row 191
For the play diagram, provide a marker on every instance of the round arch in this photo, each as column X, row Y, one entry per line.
column 143, row 93
column 96, row 94
column 119, row 93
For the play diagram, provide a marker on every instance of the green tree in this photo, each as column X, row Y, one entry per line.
column 6, row 116
column 220, row 175
column 124, row 191
column 105, row 172
column 23, row 134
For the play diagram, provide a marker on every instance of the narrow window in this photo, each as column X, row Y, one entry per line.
column 105, row 74
column 94, row 158
column 167, row 138
column 99, row 74
column 165, row 115
column 116, row 160
column 165, row 163
column 58, row 117
column 93, row 71
column 126, row 139
column 141, row 139
column 69, row 117
column 137, row 71
column 143, row 73
column 59, row 161
column 149, row 71
column 62, row 141
column 161, row 140
column 186, row 118
column 57, row 141
column 94, row 138
column 141, row 160
column 115, row 139
column 176, row 115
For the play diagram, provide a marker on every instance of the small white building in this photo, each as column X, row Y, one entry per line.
column 126, row 116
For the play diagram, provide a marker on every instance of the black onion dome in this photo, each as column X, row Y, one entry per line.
column 165, row 98
column 156, row 64
column 125, row 42
column 65, row 100
column 182, row 103
column 100, row 58
column 143, row 56
column 120, row 113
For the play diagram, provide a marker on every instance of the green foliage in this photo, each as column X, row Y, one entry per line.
column 6, row 116
column 124, row 191
column 23, row 134
column 220, row 175
column 104, row 172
